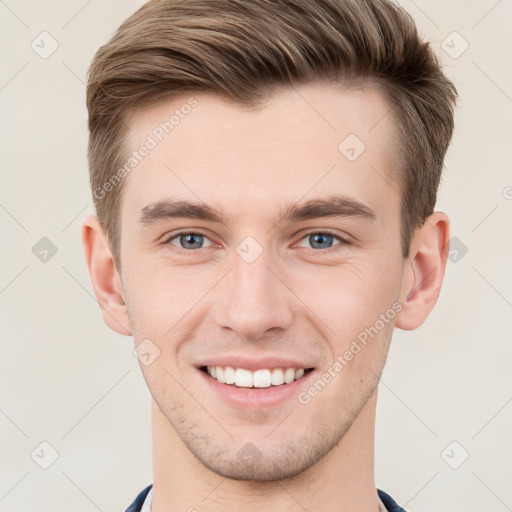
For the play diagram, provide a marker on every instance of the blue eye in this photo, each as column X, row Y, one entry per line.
column 189, row 240
column 323, row 240
column 193, row 241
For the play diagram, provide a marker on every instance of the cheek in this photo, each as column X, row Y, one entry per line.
column 351, row 297
column 162, row 298
column 347, row 297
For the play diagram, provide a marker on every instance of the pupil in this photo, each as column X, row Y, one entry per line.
column 190, row 239
column 320, row 237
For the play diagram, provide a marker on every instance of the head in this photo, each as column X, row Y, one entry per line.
column 266, row 115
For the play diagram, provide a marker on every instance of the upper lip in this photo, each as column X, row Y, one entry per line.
column 253, row 363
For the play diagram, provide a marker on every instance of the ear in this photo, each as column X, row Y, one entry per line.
column 424, row 271
column 105, row 278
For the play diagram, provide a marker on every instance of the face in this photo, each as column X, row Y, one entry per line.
column 290, row 258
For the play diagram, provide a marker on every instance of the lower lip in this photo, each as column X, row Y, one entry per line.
column 256, row 398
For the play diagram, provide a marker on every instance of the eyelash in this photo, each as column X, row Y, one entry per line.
column 343, row 241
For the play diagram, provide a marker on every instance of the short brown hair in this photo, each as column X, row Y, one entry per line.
column 244, row 50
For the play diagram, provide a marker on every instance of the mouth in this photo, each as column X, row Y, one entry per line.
column 259, row 379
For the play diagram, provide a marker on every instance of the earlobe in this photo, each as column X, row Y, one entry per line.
column 424, row 271
column 105, row 278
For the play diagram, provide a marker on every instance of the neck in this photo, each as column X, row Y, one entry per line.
column 182, row 483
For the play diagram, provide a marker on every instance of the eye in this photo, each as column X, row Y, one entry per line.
column 323, row 239
column 193, row 241
column 188, row 241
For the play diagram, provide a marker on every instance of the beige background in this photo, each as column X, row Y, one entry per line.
column 69, row 381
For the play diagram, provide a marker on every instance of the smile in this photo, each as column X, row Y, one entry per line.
column 262, row 378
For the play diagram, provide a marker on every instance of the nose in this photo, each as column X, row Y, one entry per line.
column 253, row 299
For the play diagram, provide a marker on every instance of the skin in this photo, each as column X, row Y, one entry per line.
column 296, row 299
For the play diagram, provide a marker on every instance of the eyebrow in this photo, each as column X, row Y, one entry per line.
column 332, row 206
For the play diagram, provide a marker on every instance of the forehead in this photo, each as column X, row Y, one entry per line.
column 303, row 142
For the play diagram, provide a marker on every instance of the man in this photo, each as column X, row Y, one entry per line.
column 265, row 175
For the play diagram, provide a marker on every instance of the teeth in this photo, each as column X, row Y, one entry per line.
column 264, row 378
column 220, row 374
column 243, row 378
column 289, row 375
column 229, row 375
column 277, row 377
